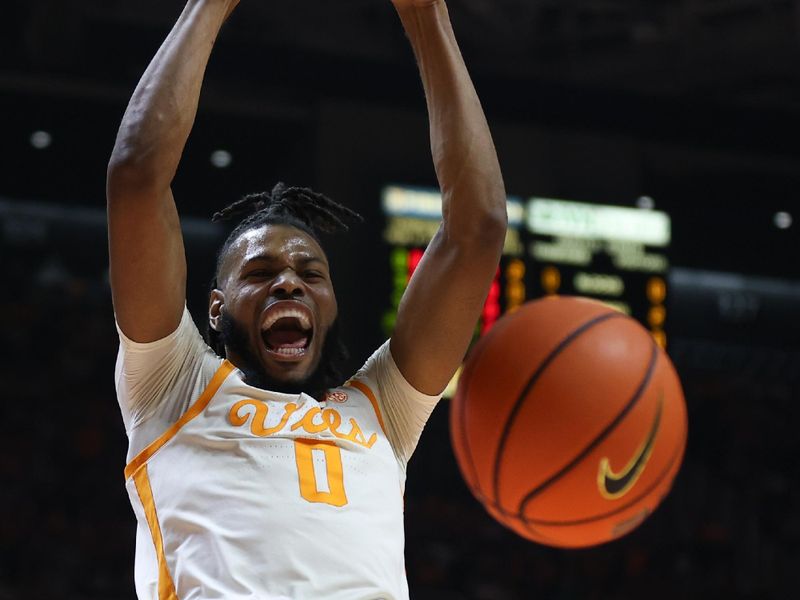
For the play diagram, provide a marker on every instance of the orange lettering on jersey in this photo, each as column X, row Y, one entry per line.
column 307, row 422
column 357, row 436
column 259, row 417
column 333, row 419
column 329, row 419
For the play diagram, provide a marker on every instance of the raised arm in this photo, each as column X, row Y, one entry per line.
column 441, row 306
column 147, row 259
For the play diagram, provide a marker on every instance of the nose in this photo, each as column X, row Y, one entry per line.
column 287, row 285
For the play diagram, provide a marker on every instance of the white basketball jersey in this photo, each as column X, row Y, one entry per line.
column 262, row 495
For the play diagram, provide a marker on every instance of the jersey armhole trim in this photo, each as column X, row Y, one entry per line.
column 195, row 409
column 364, row 389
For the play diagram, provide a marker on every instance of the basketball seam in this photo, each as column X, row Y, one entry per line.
column 560, row 347
column 643, row 385
column 530, row 522
column 675, row 457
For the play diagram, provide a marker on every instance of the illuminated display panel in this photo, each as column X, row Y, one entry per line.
column 413, row 216
column 613, row 253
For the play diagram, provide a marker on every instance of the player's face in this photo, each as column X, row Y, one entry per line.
column 278, row 291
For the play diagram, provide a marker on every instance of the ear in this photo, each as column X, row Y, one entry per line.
column 216, row 304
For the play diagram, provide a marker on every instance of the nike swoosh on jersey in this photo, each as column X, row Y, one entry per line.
column 615, row 485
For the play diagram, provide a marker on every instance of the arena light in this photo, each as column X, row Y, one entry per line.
column 41, row 139
column 645, row 203
column 782, row 220
column 221, row 159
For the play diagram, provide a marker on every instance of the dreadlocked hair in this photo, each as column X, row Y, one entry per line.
column 316, row 211
column 300, row 207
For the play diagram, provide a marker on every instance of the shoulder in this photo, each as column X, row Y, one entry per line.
column 401, row 409
column 185, row 333
column 379, row 364
column 382, row 382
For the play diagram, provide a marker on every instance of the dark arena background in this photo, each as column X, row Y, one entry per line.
column 684, row 113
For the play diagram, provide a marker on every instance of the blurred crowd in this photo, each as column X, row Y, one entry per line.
column 730, row 528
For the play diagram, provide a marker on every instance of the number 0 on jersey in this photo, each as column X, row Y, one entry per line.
column 325, row 485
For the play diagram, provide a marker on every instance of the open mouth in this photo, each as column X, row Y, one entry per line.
column 287, row 332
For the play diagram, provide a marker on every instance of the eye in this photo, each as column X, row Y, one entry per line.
column 313, row 275
column 257, row 273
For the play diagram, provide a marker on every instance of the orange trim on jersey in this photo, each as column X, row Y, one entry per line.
column 195, row 409
column 166, row 587
column 364, row 389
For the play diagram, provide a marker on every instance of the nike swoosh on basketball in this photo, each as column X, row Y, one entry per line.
column 615, row 485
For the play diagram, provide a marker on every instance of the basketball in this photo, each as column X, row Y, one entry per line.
column 569, row 422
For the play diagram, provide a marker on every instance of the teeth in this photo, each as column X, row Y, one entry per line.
column 284, row 313
column 290, row 351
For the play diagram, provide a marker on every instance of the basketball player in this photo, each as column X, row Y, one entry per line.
column 254, row 472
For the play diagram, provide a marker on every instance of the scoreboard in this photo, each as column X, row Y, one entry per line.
column 413, row 216
column 615, row 254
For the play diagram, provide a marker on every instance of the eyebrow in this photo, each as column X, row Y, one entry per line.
column 303, row 259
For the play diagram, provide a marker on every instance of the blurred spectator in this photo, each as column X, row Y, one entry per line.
column 730, row 528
